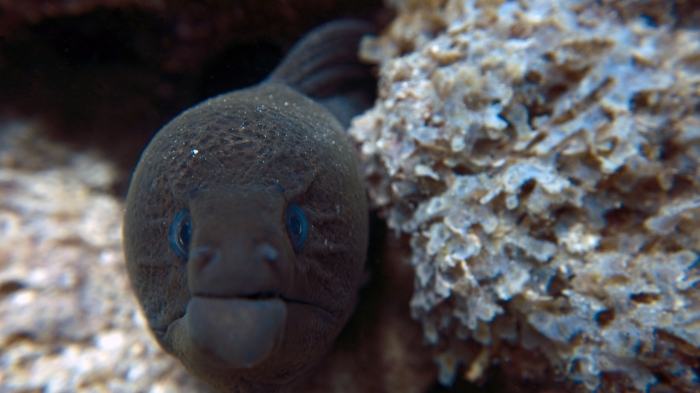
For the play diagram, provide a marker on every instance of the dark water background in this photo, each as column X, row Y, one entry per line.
column 110, row 78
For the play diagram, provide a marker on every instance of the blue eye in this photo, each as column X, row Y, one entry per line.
column 180, row 231
column 297, row 226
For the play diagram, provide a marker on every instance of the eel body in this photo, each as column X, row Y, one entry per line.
column 246, row 224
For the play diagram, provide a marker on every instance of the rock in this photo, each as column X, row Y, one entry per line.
column 543, row 157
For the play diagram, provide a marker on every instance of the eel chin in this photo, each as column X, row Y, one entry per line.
column 228, row 333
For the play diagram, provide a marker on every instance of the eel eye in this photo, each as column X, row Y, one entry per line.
column 180, row 231
column 297, row 226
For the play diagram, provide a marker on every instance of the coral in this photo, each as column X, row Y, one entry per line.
column 68, row 320
column 544, row 158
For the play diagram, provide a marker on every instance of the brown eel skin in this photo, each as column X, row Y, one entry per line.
column 246, row 222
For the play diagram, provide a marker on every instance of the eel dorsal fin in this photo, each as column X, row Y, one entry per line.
column 324, row 65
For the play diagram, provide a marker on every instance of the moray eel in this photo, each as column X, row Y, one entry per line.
column 246, row 225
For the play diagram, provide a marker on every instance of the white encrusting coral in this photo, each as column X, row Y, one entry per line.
column 544, row 158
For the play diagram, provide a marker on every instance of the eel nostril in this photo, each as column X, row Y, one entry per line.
column 267, row 252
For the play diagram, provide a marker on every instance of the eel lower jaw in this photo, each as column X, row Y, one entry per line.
column 228, row 333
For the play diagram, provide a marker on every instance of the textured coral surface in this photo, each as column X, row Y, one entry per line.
column 544, row 158
column 69, row 320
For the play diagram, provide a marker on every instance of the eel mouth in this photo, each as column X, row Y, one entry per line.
column 261, row 296
column 235, row 332
column 264, row 296
column 254, row 296
column 229, row 332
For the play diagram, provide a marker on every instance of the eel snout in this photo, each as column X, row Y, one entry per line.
column 237, row 314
